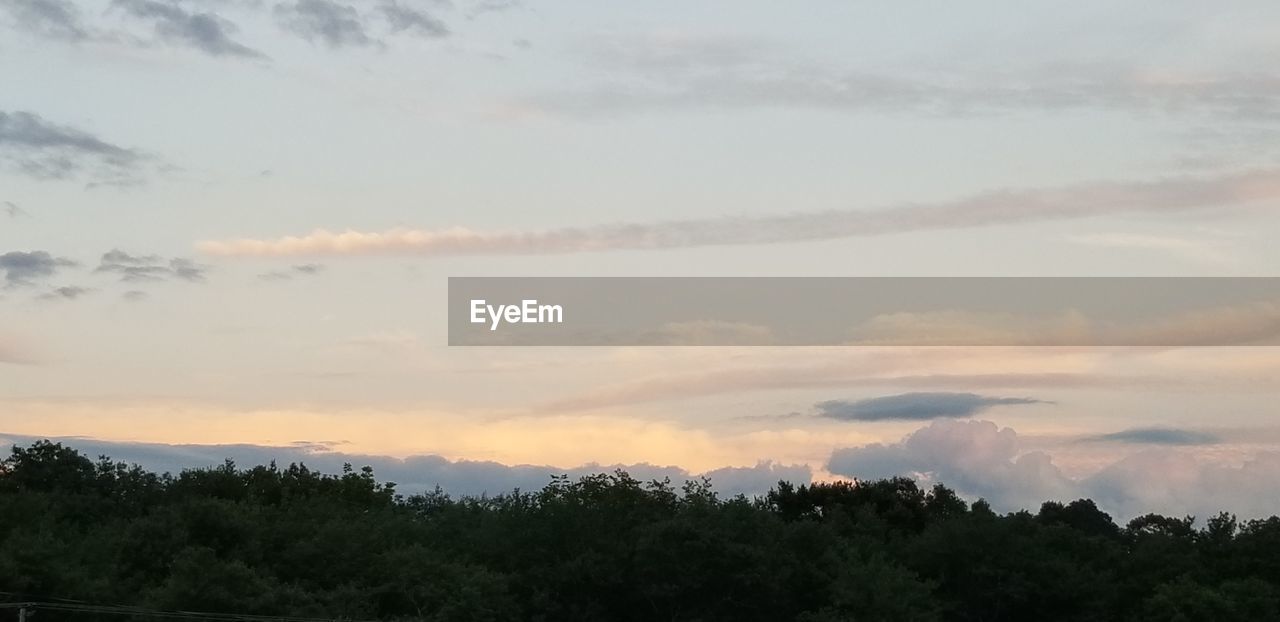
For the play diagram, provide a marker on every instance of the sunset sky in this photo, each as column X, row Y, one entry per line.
column 226, row 228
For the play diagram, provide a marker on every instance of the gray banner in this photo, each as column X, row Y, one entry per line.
column 777, row 311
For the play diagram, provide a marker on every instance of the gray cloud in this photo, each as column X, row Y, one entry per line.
column 44, row 150
column 998, row 207
column 24, row 268
column 401, row 18
column 150, row 267
column 55, row 19
column 480, row 7
column 206, row 32
column 306, row 269
column 979, row 459
column 420, row 473
column 1156, row 436
column 914, row 406
column 12, row 210
column 134, row 295
column 69, row 292
column 336, row 25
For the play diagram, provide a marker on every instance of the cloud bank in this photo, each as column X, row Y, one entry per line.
column 1174, row 194
column 418, row 473
column 980, row 459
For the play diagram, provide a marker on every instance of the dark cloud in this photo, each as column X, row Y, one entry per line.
column 70, row 292
column 150, row 267
column 134, row 295
column 1156, row 436
column 24, row 268
column 12, row 210
column 206, row 32
column 914, row 406
column 55, row 19
column 306, row 269
column 401, row 18
column 41, row 149
column 336, row 25
column 421, row 473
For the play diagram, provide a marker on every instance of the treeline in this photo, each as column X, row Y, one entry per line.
column 294, row 542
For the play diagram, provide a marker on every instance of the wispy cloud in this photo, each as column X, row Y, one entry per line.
column 323, row 21
column 1155, row 436
column 1173, row 194
column 68, row 292
column 206, row 32
column 55, row 19
column 412, row 19
column 915, row 406
column 1202, row 250
column 36, row 147
column 688, row 71
column 150, row 267
column 306, row 269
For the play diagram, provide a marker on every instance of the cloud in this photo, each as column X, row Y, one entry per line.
column 401, row 18
column 1156, row 436
column 55, row 19
column 1174, row 194
column 420, row 473
column 134, row 295
column 974, row 457
column 69, row 292
column 1199, row 250
column 979, row 459
column 306, row 269
column 38, row 148
column 336, row 25
column 683, row 70
column 133, row 268
column 915, row 406
column 12, row 210
column 769, row 378
column 23, row 268
column 206, row 32
column 480, row 7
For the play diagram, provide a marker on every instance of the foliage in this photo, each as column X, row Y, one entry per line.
column 294, row 542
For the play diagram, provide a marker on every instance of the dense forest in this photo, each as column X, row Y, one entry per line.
column 293, row 542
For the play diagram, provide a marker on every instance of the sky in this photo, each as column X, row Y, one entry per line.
column 226, row 228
